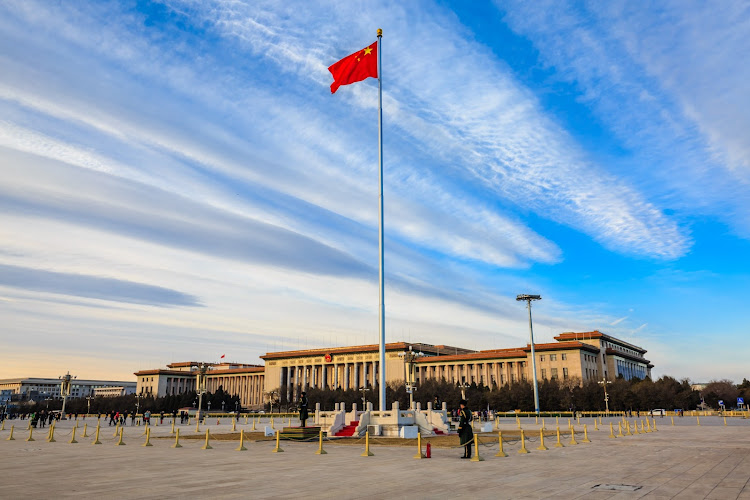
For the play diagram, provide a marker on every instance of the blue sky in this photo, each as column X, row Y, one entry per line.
column 179, row 183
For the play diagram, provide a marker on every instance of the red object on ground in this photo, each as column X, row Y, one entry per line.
column 348, row 430
column 428, row 451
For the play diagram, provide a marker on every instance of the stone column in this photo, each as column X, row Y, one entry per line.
column 346, row 376
column 356, row 375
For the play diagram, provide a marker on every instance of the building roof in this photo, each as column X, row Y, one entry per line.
column 429, row 348
column 514, row 352
column 158, row 371
column 615, row 352
column 247, row 369
column 596, row 334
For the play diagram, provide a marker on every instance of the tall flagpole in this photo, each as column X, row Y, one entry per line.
column 382, row 271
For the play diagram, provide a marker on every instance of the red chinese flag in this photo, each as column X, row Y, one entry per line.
column 355, row 67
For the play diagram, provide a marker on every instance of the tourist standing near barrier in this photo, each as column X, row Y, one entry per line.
column 465, row 433
column 303, row 409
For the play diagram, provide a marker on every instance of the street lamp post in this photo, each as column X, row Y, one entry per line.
column 604, row 383
column 222, row 407
column 88, row 404
column 364, row 390
column 200, row 386
column 463, row 387
column 528, row 298
column 64, row 391
column 410, row 358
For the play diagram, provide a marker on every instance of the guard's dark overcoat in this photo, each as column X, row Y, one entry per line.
column 465, row 432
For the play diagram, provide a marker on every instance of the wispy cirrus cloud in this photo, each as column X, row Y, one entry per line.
column 665, row 80
column 488, row 130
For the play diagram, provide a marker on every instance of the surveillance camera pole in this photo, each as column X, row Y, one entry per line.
column 528, row 299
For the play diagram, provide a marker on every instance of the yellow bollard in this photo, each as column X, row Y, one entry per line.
column 578, row 420
column 648, row 425
column 241, row 447
column 321, row 451
column 497, row 422
column 290, row 421
column 698, row 419
column 245, row 419
column 559, row 443
column 569, row 426
column 725, row 420
column 643, row 428
column 28, row 427
column 476, row 457
column 85, row 428
column 419, row 446
column 536, row 419
column 635, row 427
column 612, row 431
column 208, row 437
column 218, row 421
column 31, row 431
column 672, row 420
column 51, row 434
column 541, row 446
column 543, row 427
column 627, row 428
column 11, row 438
column 73, row 438
column 148, row 437
column 600, row 420
column 653, row 427
column 501, row 452
column 2, row 426
column 253, row 423
column 177, row 439
column 523, row 444
column 619, row 432
column 96, row 437
column 117, row 430
column 557, row 420
column 172, row 430
column 518, row 421
column 234, row 424
column 573, row 437
column 367, row 452
column 596, row 426
column 120, row 442
column 197, row 425
column 271, row 422
column 278, row 448
column 585, row 435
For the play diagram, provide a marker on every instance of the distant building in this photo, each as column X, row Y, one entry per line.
column 114, row 391
column 39, row 389
column 574, row 356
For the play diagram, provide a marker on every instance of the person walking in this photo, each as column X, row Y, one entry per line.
column 465, row 432
column 303, row 409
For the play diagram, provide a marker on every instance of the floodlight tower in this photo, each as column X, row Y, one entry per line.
column 528, row 298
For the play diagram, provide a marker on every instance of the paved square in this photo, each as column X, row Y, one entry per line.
column 685, row 461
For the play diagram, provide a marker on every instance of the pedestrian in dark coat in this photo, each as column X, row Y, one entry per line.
column 465, row 432
column 303, row 409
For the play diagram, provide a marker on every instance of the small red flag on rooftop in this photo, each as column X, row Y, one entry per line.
column 222, row 356
column 355, row 67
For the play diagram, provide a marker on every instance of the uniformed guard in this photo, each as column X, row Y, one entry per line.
column 303, row 409
column 465, row 433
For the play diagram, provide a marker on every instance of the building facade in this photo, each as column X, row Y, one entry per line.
column 577, row 357
column 39, row 389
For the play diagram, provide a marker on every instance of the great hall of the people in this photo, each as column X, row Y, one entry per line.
column 576, row 356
